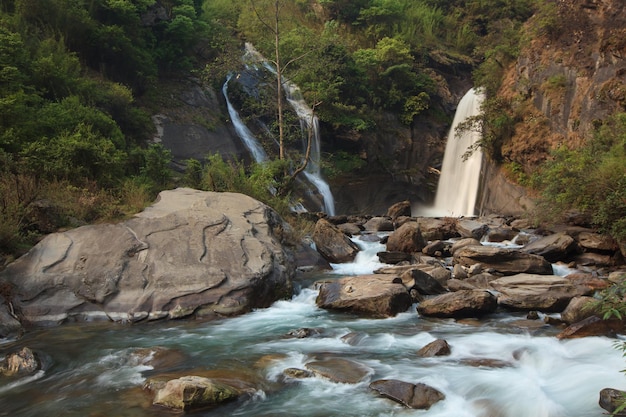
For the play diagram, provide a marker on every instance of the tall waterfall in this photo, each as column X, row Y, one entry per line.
column 242, row 130
column 458, row 184
column 308, row 121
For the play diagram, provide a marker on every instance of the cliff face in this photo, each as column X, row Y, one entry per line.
column 566, row 79
column 569, row 76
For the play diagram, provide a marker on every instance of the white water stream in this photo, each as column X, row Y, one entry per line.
column 242, row 130
column 458, row 184
column 308, row 121
column 93, row 369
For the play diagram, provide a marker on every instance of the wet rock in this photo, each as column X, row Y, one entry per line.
column 469, row 228
column 459, row 304
column 353, row 338
column 379, row 224
column 303, row 333
column 417, row 396
column 611, row 399
column 578, row 309
column 339, row 370
column 437, row 229
column 588, row 280
column 594, row 259
column 459, row 272
column 399, row 209
column 194, row 392
column 23, row 362
column 349, row 229
column 332, row 243
column 459, row 285
column 437, row 347
column 596, row 242
column 297, row 373
column 434, row 247
column 501, row 234
column 548, row 293
column 441, row 274
column 462, row 243
column 191, row 253
column 555, row 247
column 375, row 295
column 504, row 260
column 592, row 326
column 423, row 282
column 394, row 257
column 408, row 238
column 308, row 259
column 486, row 363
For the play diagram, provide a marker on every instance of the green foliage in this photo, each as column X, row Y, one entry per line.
column 156, row 169
column 340, row 163
column 260, row 181
column 590, row 179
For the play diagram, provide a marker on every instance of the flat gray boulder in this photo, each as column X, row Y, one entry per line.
column 377, row 295
column 417, row 396
column 192, row 253
column 555, row 247
column 549, row 293
column 459, row 304
column 504, row 260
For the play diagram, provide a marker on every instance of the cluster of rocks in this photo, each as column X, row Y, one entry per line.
column 443, row 265
column 196, row 254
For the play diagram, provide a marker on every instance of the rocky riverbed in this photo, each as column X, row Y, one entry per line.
column 402, row 308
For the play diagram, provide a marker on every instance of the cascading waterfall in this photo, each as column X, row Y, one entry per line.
column 242, row 130
column 308, row 121
column 458, row 184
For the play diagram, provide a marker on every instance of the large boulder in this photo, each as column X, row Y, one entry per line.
column 407, row 238
column 417, row 396
column 555, row 247
column 339, row 370
column 459, row 304
column 376, row 295
column 333, row 244
column 471, row 228
column 504, row 260
column 549, row 293
column 194, row 392
column 423, row 282
column 399, row 209
column 191, row 253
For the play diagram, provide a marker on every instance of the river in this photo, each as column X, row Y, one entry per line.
column 94, row 369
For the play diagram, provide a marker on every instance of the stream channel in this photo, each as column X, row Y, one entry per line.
column 94, row 369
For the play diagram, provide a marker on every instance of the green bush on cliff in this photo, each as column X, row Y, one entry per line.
column 591, row 179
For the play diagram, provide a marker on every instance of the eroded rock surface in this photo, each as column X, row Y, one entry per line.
column 191, row 253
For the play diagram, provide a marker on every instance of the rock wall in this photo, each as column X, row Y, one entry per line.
column 565, row 81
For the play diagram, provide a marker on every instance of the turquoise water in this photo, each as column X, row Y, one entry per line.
column 95, row 369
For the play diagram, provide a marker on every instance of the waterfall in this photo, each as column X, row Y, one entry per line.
column 242, row 130
column 308, row 121
column 458, row 184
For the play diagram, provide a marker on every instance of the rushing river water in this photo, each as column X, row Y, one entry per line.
column 93, row 369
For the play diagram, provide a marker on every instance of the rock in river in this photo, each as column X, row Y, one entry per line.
column 191, row 253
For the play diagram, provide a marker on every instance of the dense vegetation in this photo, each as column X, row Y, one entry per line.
column 78, row 80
